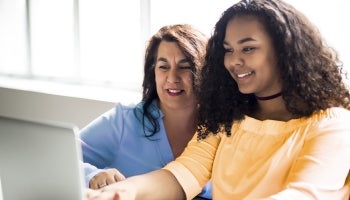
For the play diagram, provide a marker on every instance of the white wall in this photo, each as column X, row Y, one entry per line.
column 36, row 105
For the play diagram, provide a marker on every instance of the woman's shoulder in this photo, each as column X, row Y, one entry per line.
column 330, row 117
column 331, row 123
column 120, row 110
column 133, row 109
column 332, row 113
column 122, row 107
column 332, row 120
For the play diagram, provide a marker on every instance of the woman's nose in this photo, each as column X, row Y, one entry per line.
column 235, row 60
column 173, row 76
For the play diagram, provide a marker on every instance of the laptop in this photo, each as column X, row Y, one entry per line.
column 39, row 161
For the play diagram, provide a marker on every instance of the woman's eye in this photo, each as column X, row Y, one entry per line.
column 186, row 67
column 248, row 49
column 226, row 50
column 163, row 67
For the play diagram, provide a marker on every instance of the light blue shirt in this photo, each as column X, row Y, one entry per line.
column 117, row 139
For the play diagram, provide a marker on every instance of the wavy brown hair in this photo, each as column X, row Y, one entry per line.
column 312, row 75
column 191, row 42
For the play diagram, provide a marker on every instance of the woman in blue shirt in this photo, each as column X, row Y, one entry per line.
column 135, row 139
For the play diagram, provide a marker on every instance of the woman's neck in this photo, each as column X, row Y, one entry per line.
column 180, row 126
column 184, row 119
column 273, row 109
column 270, row 97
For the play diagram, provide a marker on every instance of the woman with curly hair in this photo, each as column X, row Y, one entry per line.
column 273, row 116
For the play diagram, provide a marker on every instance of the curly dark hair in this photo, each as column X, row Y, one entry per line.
column 311, row 72
column 191, row 42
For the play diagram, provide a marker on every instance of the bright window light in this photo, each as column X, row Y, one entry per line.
column 13, row 47
column 110, row 45
column 52, row 38
column 102, row 42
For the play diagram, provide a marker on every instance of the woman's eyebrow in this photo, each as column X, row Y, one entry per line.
column 182, row 61
column 162, row 59
column 241, row 41
column 185, row 61
column 247, row 39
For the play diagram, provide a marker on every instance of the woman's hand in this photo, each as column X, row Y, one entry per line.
column 105, row 178
column 116, row 191
column 159, row 184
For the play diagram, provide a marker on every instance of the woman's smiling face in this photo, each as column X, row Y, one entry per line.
column 174, row 77
column 250, row 56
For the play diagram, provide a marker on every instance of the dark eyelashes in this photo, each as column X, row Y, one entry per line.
column 245, row 49
column 227, row 50
column 180, row 67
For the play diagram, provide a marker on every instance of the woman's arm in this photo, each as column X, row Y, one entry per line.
column 159, row 184
column 99, row 141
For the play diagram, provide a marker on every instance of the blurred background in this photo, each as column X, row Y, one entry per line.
column 71, row 60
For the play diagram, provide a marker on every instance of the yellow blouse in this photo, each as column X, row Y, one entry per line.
column 307, row 158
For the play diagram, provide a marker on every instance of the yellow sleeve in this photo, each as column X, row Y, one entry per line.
column 324, row 161
column 193, row 167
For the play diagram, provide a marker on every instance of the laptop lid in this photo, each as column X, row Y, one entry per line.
column 39, row 161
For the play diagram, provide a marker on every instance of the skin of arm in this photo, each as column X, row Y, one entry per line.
column 148, row 186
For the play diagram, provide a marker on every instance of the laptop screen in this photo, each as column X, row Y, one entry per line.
column 39, row 160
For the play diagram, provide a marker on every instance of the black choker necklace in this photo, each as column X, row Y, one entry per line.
column 268, row 97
